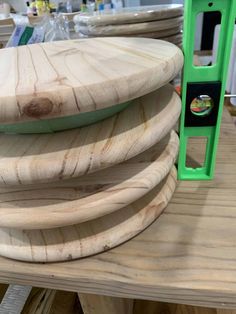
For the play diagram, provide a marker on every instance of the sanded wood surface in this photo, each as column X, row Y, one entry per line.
column 90, row 196
column 128, row 29
column 175, row 39
column 131, row 15
column 149, row 307
column 91, row 237
column 65, row 78
column 158, row 34
column 26, row 159
column 187, row 256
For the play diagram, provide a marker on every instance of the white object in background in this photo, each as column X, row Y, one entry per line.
column 18, row 5
column 215, row 43
column 198, row 35
column 233, row 86
column 231, row 82
column 5, row 10
column 132, row 3
column 117, row 4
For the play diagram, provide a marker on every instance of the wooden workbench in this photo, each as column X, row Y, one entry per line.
column 187, row 256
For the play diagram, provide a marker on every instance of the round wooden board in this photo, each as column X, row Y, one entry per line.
column 131, row 29
column 162, row 34
column 27, row 159
column 92, row 237
column 132, row 15
column 75, row 201
column 175, row 39
column 66, row 78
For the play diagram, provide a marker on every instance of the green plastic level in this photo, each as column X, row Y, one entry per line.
column 204, row 74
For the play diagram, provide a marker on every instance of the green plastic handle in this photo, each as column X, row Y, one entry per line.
column 204, row 74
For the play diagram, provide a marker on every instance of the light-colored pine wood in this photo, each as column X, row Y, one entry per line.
column 27, row 159
column 40, row 301
column 95, row 304
column 7, row 22
column 6, row 29
column 89, row 197
column 162, row 34
column 132, row 15
column 128, row 29
column 186, row 256
column 175, row 39
column 159, row 34
column 149, row 307
column 65, row 78
column 95, row 236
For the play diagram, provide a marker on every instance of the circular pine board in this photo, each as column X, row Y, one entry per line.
column 175, row 39
column 162, row 34
column 66, row 78
column 131, row 15
column 130, row 29
column 75, row 201
column 88, row 238
column 27, row 159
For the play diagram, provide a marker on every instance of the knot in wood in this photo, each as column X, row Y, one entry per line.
column 38, row 107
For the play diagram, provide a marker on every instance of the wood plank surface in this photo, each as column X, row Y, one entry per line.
column 91, row 237
column 149, row 307
column 88, row 197
column 187, row 256
column 128, row 29
column 65, row 78
column 132, row 15
column 28, row 159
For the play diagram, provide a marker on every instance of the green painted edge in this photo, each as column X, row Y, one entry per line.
column 64, row 123
column 216, row 72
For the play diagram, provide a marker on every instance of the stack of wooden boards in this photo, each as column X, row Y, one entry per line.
column 78, row 192
column 6, row 29
column 158, row 21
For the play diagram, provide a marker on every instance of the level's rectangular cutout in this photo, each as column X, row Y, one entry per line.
column 206, row 38
column 196, row 152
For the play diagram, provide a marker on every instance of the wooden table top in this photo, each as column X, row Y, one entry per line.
column 187, row 256
column 65, row 78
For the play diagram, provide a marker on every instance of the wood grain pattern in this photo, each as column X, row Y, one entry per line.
column 27, row 159
column 132, row 15
column 186, row 256
column 95, row 304
column 162, row 35
column 95, row 236
column 149, row 307
column 128, row 29
column 81, row 75
column 89, row 197
column 175, row 39
column 157, row 34
column 6, row 28
column 40, row 301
